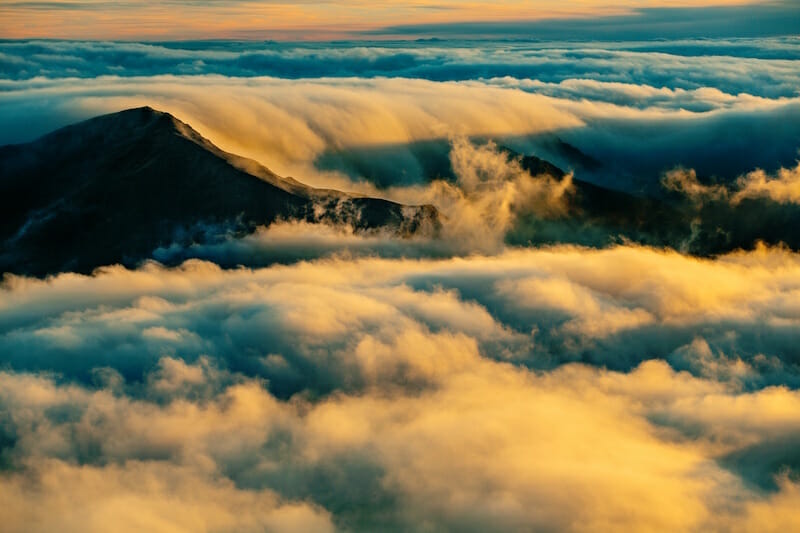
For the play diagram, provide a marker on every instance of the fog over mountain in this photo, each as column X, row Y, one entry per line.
column 526, row 282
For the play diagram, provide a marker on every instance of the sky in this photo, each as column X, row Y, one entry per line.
column 346, row 19
column 525, row 368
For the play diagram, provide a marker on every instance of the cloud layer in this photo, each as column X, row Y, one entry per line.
column 452, row 394
column 761, row 67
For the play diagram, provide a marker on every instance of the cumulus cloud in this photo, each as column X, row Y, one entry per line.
column 377, row 393
column 783, row 187
column 540, row 307
column 54, row 494
column 488, row 445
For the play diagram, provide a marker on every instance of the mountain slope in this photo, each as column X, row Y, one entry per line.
column 599, row 215
column 114, row 188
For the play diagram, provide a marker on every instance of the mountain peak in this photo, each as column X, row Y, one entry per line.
column 138, row 119
column 141, row 115
column 114, row 188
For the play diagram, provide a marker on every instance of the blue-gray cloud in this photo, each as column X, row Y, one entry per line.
column 764, row 67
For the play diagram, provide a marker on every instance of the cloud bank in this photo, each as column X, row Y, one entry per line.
column 452, row 394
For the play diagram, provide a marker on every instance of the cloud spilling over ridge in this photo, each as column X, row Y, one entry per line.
column 289, row 125
column 294, row 121
column 453, row 394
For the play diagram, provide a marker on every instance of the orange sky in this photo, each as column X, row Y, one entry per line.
column 281, row 19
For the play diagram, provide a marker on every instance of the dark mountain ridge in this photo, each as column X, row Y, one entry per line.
column 114, row 188
column 599, row 216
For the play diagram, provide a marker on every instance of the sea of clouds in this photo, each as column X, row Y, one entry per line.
column 344, row 381
column 562, row 388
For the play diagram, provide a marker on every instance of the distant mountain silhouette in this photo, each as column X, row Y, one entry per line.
column 114, row 188
column 598, row 215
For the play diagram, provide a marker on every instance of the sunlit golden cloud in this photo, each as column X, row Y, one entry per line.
column 433, row 406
